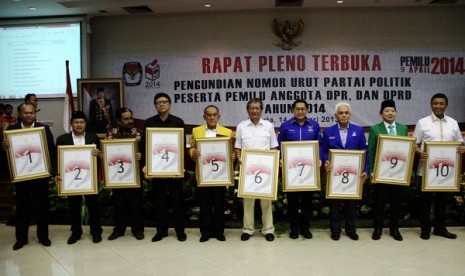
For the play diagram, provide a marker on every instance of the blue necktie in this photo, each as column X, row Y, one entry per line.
column 391, row 130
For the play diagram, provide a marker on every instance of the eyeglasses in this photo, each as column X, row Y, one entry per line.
column 161, row 102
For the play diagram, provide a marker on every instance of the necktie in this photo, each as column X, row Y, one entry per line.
column 391, row 130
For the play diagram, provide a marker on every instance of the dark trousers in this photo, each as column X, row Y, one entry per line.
column 169, row 192
column 302, row 201
column 75, row 205
column 382, row 194
column 32, row 198
column 426, row 201
column 350, row 210
column 128, row 210
column 212, row 210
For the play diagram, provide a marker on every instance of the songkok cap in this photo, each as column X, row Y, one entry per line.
column 100, row 89
column 78, row 115
column 387, row 103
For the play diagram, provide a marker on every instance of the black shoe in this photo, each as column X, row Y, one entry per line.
column 221, row 237
column 139, row 236
column 96, row 238
column 293, row 235
column 204, row 238
column 18, row 245
column 245, row 236
column 159, row 236
column 424, row 235
column 269, row 237
column 444, row 233
column 306, row 234
column 377, row 234
column 114, row 236
column 335, row 236
column 73, row 238
column 45, row 242
column 352, row 235
column 394, row 232
column 182, row 237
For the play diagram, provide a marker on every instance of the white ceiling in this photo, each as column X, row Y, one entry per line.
column 20, row 8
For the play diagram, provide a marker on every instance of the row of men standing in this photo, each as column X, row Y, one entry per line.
column 254, row 132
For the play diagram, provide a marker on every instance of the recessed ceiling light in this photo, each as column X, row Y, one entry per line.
column 340, row 1
column 32, row 8
column 207, row 6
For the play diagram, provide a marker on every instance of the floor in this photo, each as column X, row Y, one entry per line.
column 284, row 256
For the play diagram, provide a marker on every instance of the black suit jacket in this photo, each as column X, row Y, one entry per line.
column 67, row 139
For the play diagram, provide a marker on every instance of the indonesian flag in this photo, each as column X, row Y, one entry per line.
column 68, row 107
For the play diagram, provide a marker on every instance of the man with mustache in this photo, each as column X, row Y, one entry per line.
column 127, row 201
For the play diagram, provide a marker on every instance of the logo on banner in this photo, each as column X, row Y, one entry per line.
column 152, row 73
column 132, row 73
column 287, row 33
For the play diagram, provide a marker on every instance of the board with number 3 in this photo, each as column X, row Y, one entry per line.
column 120, row 165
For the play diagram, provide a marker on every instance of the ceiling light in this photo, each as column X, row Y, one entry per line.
column 32, row 8
column 340, row 1
column 207, row 6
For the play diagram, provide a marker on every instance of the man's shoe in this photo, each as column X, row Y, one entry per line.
column 245, row 236
column 114, row 236
column 139, row 236
column 221, row 237
column 424, row 235
column 335, row 236
column 182, row 237
column 377, row 234
column 446, row 234
column 96, row 238
column 293, row 235
column 18, row 245
column 159, row 236
column 73, row 239
column 352, row 235
column 204, row 238
column 45, row 242
column 269, row 237
column 307, row 234
column 394, row 232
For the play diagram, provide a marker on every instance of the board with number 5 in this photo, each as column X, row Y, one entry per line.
column 214, row 165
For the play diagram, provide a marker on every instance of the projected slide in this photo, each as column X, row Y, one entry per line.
column 33, row 59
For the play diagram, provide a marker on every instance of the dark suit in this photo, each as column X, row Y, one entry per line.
column 384, row 192
column 32, row 196
column 75, row 202
column 98, row 122
column 331, row 139
column 168, row 191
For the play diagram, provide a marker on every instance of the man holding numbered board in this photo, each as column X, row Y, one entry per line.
column 256, row 133
column 211, row 199
column 386, row 192
column 435, row 127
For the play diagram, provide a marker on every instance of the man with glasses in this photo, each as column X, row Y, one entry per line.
column 167, row 190
column 299, row 128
